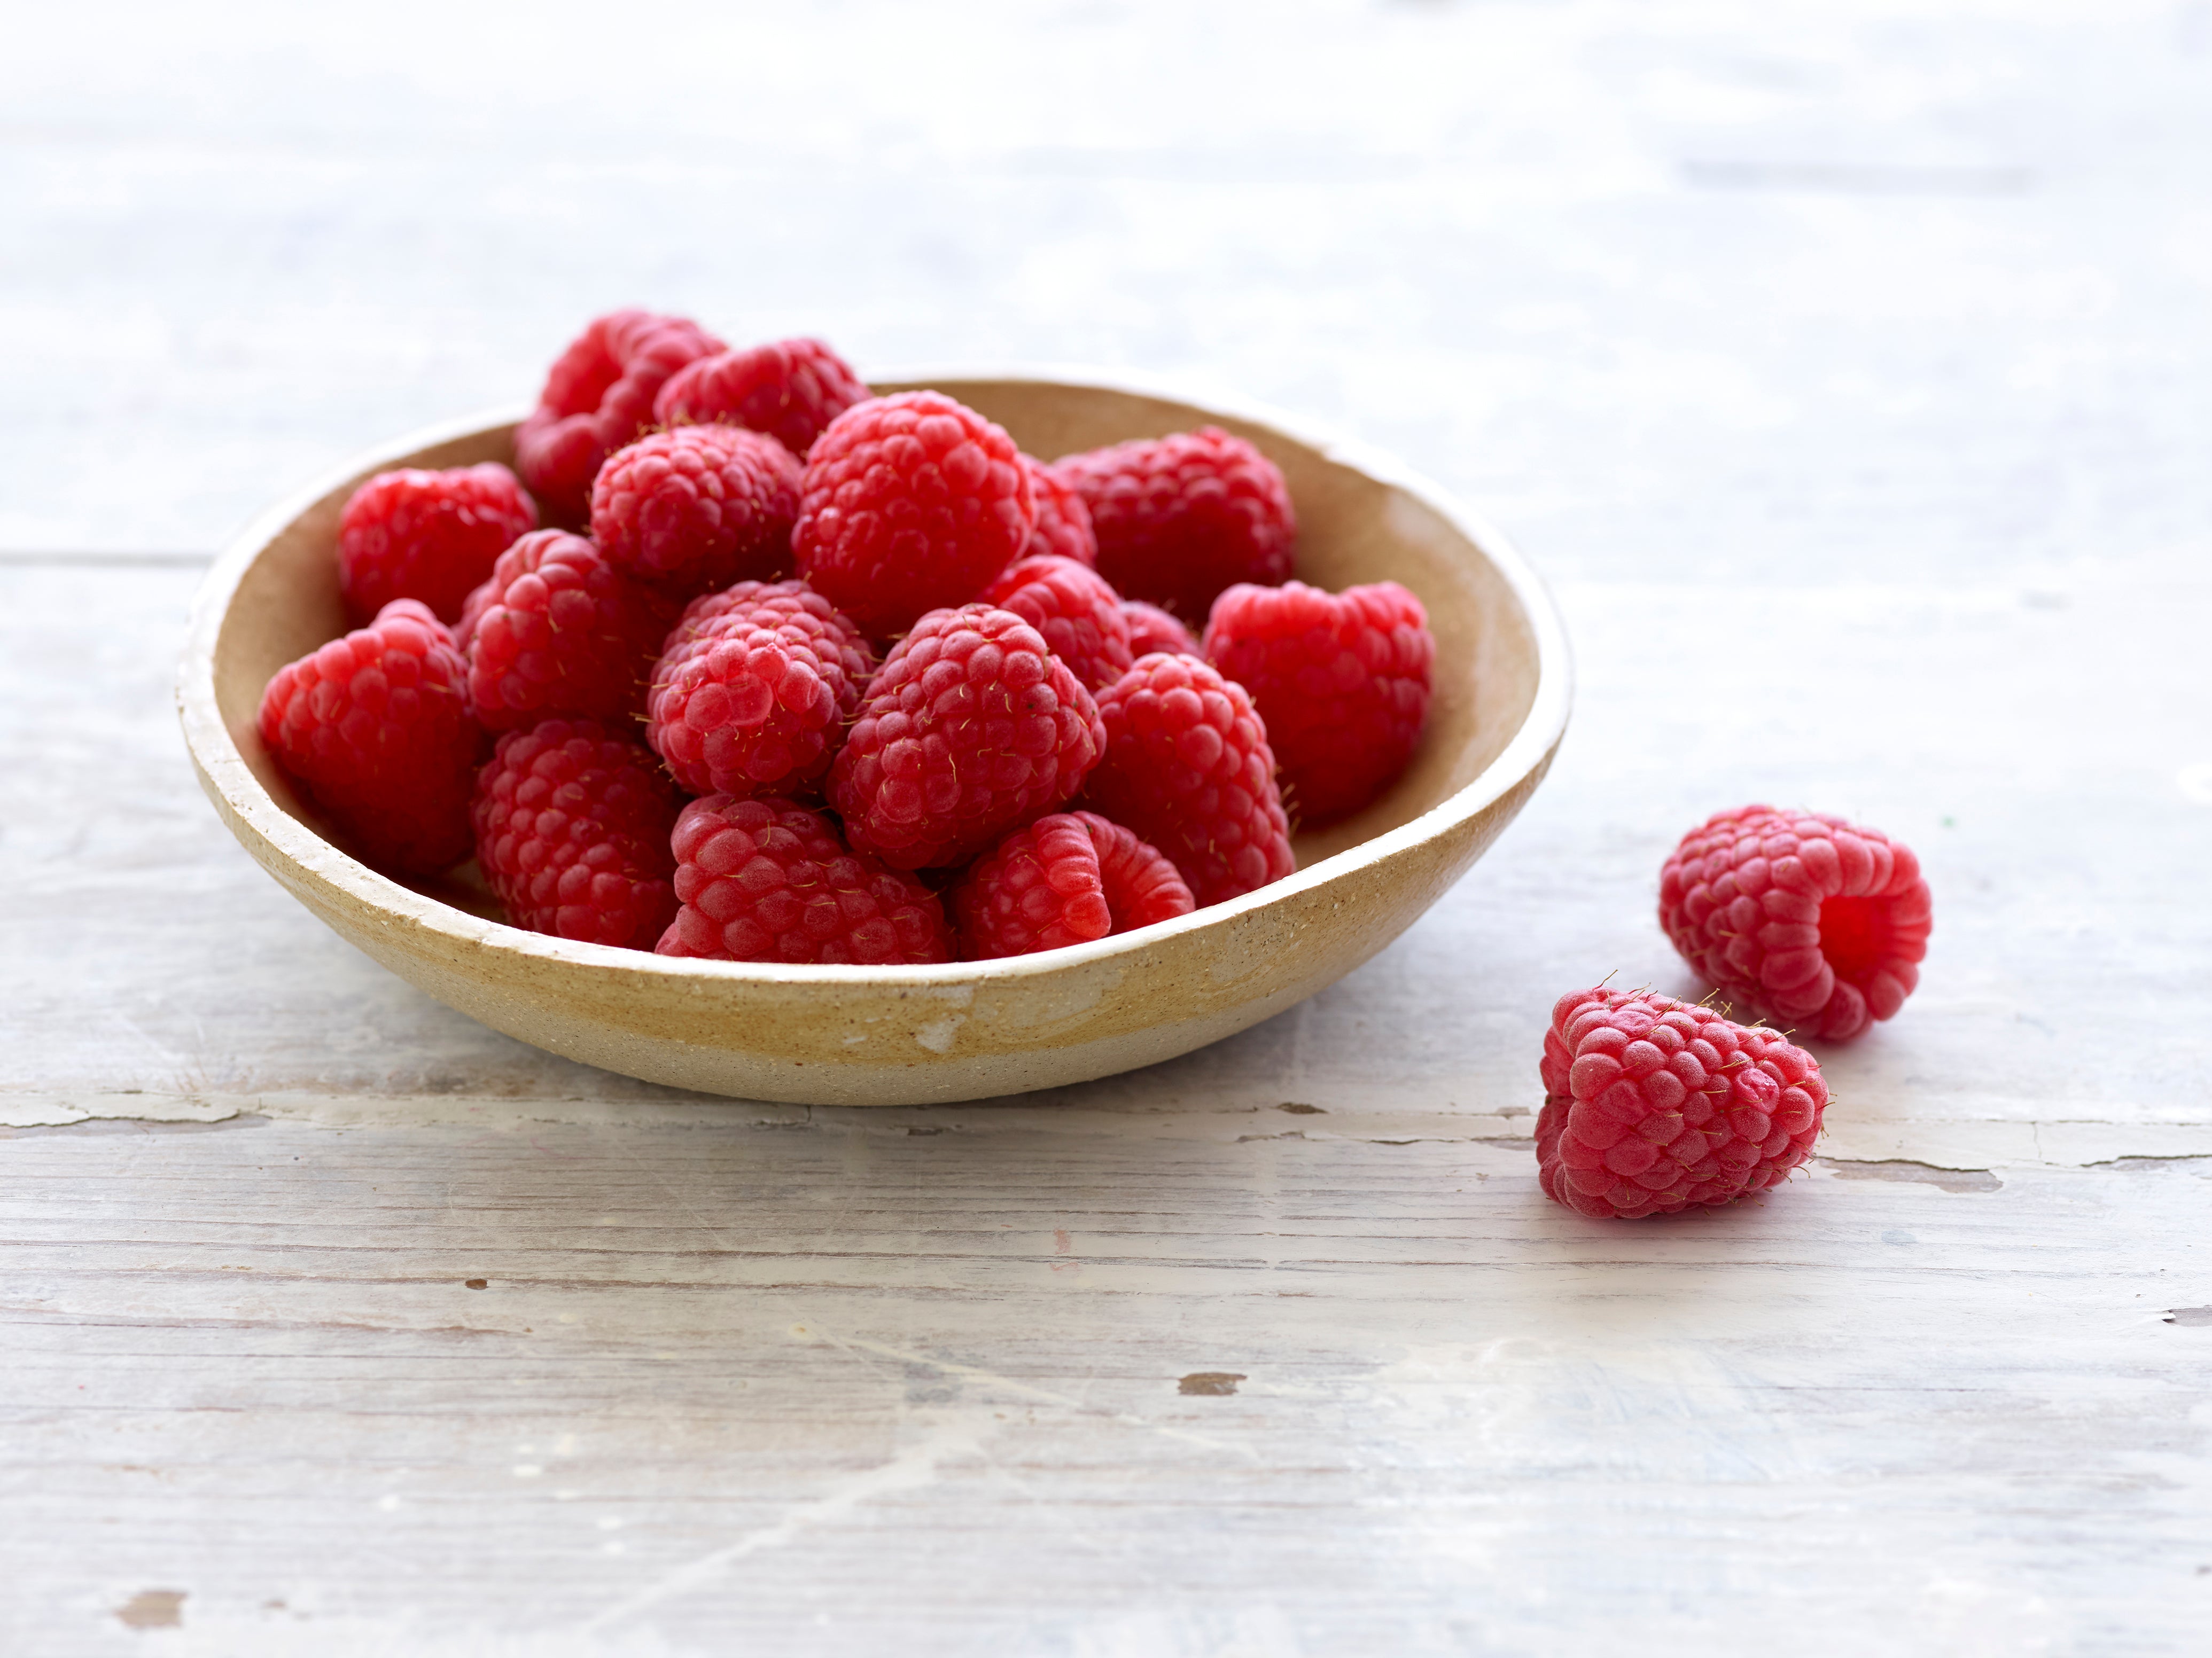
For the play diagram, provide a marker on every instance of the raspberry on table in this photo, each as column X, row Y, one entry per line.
column 597, row 397
column 1342, row 680
column 431, row 536
column 563, row 631
column 790, row 390
column 572, row 823
column 1063, row 522
column 1152, row 629
column 971, row 728
column 1070, row 604
column 1065, row 879
column 697, row 508
column 1652, row 1106
column 1798, row 917
column 375, row 728
column 1180, row 518
column 770, row 881
column 1187, row 768
column 752, row 692
column 909, row 503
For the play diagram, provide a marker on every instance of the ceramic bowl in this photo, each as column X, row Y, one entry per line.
column 852, row 1035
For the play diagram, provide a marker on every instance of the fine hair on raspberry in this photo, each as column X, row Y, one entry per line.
column 557, row 629
column 697, row 508
column 1071, row 605
column 599, row 396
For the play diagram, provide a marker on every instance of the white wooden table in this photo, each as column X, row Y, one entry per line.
column 1848, row 373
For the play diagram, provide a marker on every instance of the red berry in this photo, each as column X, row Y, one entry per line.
column 1070, row 604
column 572, row 824
column 752, row 693
column 1189, row 768
column 431, row 536
column 1152, row 629
column 910, row 504
column 375, row 728
column 790, row 390
column 1798, row 917
column 563, row 631
column 1180, row 518
column 598, row 398
column 697, row 508
column 1063, row 522
column 1065, row 879
column 1342, row 680
column 1652, row 1106
column 770, row 881
column 971, row 728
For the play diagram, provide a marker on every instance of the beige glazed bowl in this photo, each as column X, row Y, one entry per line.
column 853, row 1035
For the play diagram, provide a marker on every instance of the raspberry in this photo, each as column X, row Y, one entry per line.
column 1065, row 879
column 909, row 503
column 752, row 693
column 1063, row 522
column 971, row 728
column 1187, row 767
column 769, row 881
column 572, row 825
column 1798, row 916
column 1342, row 680
column 1070, row 604
column 563, row 631
column 1152, row 629
column 598, row 398
column 431, row 536
column 375, row 728
column 1180, row 518
column 1652, row 1106
column 790, row 390
column 697, row 508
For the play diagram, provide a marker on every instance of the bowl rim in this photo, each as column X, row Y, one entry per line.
column 226, row 774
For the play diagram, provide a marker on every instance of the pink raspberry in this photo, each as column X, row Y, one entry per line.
column 971, row 728
column 1180, row 518
column 1152, row 629
column 561, row 631
column 431, row 536
column 375, row 728
column 769, row 881
column 790, row 390
column 909, row 503
column 1079, row 616
column 598, row 398
column 697, row 508
column 1342, row 680
column 752, row 693
column 1652, row 1106
column 1065, row 879
column 1189, row 768
column 1063, row 522
column 1798, row 917
column 572, row 825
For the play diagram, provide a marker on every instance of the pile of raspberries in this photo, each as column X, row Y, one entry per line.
column 751, row 664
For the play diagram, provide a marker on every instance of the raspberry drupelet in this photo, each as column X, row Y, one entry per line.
column 375, row 728
column 1178, row 519
column 597, row 397
column 790, row 389
column 1798, row 917
column 560, row 630
column 431, row 536
column 1065, row 879
column 770, row 881
column 1063, row 522
column 752, row 692
column 1342, row 680
column 1152, row 629
column 909, row 503
column 697, row 508
column 572, row 823
column 1070, row 604
column 1187, row 768
column 1652, row 1106
column 971, row 728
